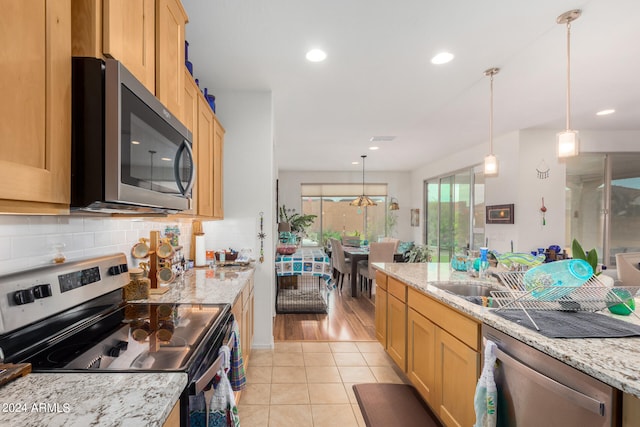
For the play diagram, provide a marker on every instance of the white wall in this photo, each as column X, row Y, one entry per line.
column 398, row 186
column 249, row 182
column 519, row 154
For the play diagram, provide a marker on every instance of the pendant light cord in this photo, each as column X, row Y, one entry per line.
column 491, row 115
column 363, row 157
column 569, row 75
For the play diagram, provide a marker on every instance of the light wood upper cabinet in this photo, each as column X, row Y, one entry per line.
column 35, row 124
column 129, row 36
column 203, row 152
column 208, row 150
column 171, row 19
column 218, row 170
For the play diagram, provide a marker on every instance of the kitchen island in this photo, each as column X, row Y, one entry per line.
column 118, row 399
column 614, row 361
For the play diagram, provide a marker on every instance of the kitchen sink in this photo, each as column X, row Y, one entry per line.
column 466, row 289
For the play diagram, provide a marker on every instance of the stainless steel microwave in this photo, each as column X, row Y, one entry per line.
column 129, row 153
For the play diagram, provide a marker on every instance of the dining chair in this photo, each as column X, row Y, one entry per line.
column 378, row 252
column 339, row 261
column 628, row 264
column 394, row 240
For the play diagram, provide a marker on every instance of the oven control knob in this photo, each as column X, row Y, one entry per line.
column 114, row 270
column 124, row 268
column 114, row 352
column 42, row 291
column 24, row 296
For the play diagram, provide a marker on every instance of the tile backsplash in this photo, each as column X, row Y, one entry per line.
column 29, row 241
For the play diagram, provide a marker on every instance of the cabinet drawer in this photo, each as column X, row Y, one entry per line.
column 397, row 289
column 381, row 280
column 457, row 324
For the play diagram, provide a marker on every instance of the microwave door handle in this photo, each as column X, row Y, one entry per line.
column 176, row 168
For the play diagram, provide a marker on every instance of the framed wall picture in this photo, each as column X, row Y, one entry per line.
column 500, row 214
column 415, row 217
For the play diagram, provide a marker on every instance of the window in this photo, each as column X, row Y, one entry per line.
column 337, row 218
column 454, row 213
column 603, row 203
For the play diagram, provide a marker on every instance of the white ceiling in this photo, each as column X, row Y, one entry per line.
column 378, row 79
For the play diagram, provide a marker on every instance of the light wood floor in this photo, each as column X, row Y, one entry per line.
column 347, row 319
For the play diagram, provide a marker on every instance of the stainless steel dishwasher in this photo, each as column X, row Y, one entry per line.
column 535, row 389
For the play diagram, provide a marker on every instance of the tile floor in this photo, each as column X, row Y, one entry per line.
column 308, row 384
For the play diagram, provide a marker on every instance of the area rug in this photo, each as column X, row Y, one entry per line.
column 387, row 405
column 300, row 301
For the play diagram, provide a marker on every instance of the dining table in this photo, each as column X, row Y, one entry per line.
column 356, row 254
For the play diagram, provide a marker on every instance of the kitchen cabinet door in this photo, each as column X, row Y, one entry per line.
column 203, row 153
column 129, row 36
column 381, row 298
column 381, row 316
column 247, row 322
column 170, row 26
column 397, row 331
column 35, row 129
column 421, row 352
column 218, row 176
column 457, row 372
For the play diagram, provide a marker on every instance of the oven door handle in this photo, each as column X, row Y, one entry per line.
column 586, row 402
column 203, row 382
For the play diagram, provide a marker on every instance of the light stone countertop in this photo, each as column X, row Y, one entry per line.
column 83, row 400
column 614, row 361
column 219, row 286
column 116, row 399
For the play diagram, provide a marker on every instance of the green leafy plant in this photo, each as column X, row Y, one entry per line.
column 419, row 253
column 298, row 222
column 590, row 256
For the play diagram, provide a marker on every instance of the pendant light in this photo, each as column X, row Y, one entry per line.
column 363, row 200
column 490, row 161
column 394, row 205
column 568, row 141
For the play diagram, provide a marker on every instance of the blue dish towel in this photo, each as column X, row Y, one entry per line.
column 486, row 397
column 198, row 410
column 237, row 374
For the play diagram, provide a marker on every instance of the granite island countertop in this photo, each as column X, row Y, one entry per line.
column 614, row 361
column 116, row 399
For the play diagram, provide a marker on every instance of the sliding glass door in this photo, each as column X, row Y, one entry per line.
column 451, row 206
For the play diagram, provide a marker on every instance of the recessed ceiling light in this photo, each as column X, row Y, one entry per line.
column 355, row 163
column 442, row 58
column 384, row 138
column 605, row 112
column 316, row 55
column 134, row 142
column 374, row 148
column 166, row 159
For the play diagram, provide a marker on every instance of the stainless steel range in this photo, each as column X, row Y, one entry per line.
column 72, row 318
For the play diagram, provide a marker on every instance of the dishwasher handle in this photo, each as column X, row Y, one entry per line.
column 586, row 402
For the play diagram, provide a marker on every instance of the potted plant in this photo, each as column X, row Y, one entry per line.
column 298, row 222
column 590, row 256
column 419, row 253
